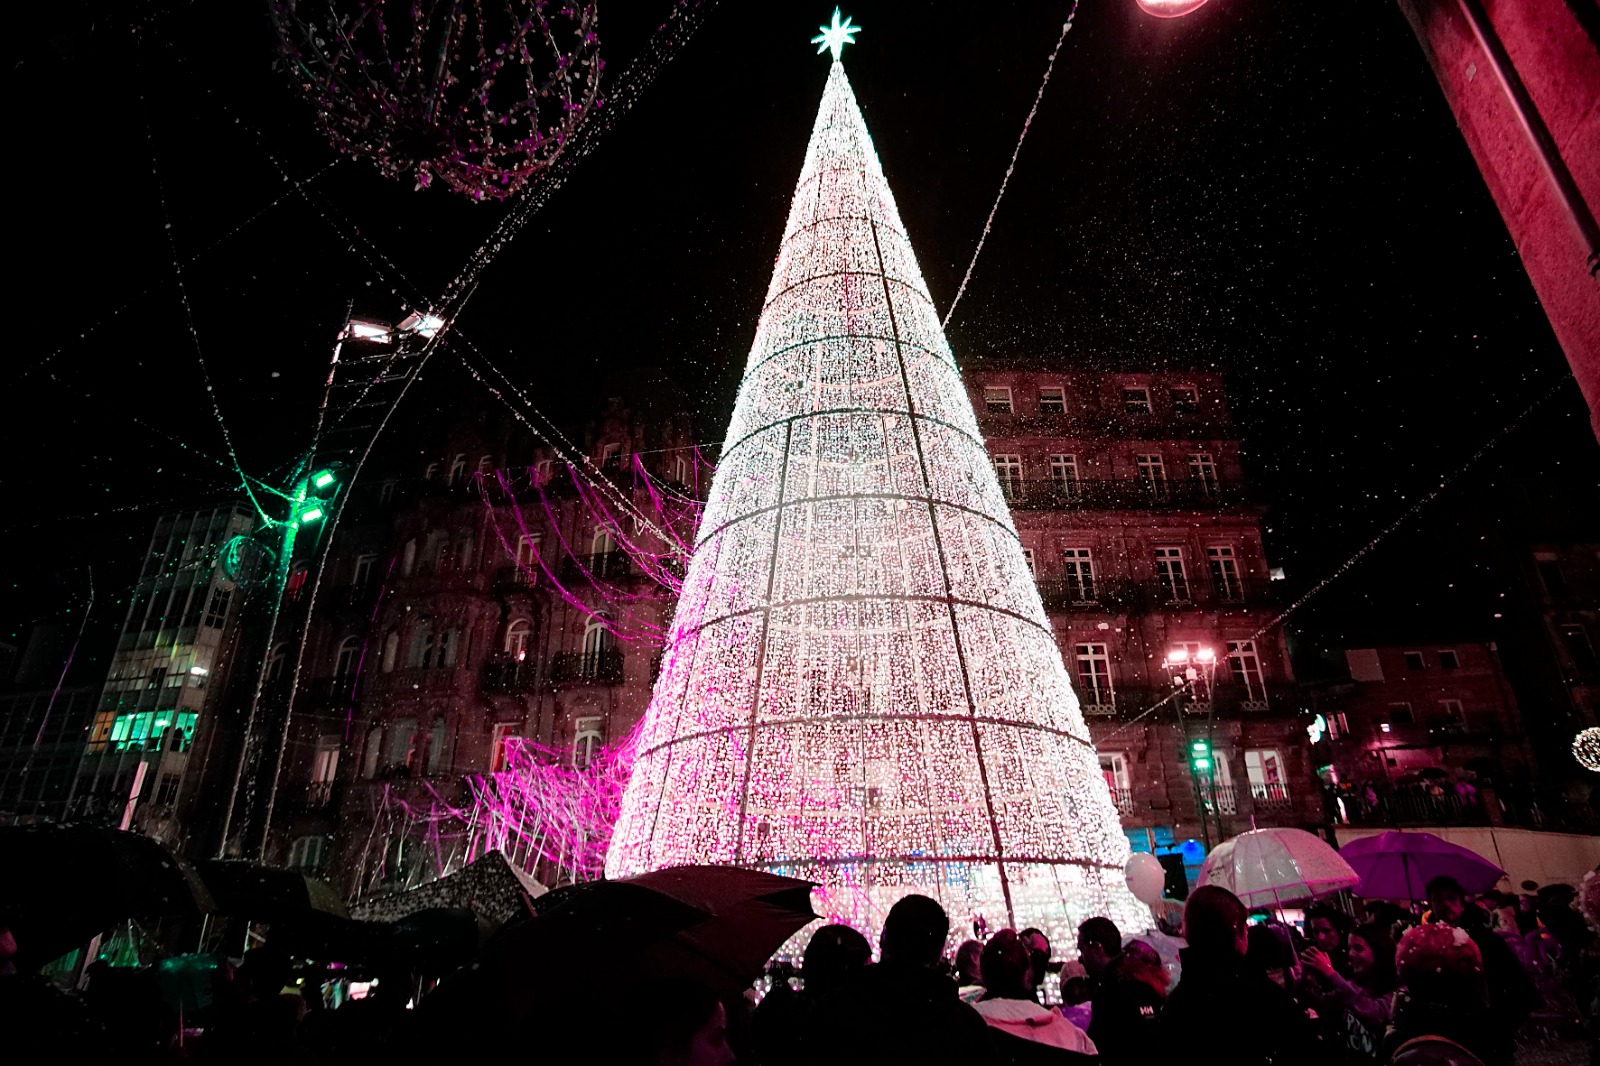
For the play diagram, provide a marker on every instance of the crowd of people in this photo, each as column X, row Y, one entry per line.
column 1453, row 984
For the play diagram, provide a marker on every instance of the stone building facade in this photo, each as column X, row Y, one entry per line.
column 1129, row 493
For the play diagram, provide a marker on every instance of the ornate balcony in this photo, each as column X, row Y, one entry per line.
column 1117, row 494
column 602, row 667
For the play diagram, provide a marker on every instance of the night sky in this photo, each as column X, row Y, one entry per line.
column 1274, row 189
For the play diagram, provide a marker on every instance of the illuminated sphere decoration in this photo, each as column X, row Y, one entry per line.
column 1586, row 748
column 481, row 94
column 860, row 686
column 1170, row 9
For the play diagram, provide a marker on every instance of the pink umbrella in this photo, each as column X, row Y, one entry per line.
column 1398, row 865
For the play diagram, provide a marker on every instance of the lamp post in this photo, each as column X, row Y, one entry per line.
column 1188, row 667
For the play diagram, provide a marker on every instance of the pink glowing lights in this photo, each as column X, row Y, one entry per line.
column 860, row 685
column 1170, row 9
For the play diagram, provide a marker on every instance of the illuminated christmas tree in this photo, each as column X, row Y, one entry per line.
column 861, row 686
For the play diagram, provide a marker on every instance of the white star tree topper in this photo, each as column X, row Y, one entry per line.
column 835, row 37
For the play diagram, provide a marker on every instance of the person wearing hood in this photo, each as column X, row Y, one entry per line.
column 904, row 1008
column 1022, row 1030
column 1221, row 993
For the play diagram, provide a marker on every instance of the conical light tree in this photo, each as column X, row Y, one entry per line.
column 861, row 686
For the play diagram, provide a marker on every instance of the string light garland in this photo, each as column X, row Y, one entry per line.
column 860, row 685
column 1586, row 748
column 482, row 95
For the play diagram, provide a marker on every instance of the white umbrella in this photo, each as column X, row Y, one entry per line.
column 1270, row 867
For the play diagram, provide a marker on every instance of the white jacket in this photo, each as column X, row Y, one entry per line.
column 1025, row 1018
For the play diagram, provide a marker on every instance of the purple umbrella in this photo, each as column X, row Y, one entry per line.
column 1396, row 865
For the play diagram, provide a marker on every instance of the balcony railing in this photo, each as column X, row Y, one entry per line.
column 1123, row 798
column 1231, row 699
column 602, row 667
column 516, row 578
column 1270, row 797
column 505, row 675
column 1103, row 494
column 602, row 566
column 1123, row 596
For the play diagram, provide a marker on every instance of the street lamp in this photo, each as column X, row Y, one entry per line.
column 1189, row 667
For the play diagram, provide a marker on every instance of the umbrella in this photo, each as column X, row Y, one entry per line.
column 1397, row 865
column 265, row 893
column 437, row 940
column 1269, row 867
column 489, row 886
column 65, row 884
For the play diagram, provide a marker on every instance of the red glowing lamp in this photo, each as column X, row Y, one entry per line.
column 1170, row 9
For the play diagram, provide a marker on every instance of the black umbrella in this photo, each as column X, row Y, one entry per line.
column 717, row 925
column 265, row 893
column 62, row 885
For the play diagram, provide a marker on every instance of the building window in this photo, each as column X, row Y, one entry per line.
column 372, row 760
column 1114, row 767
column 1027, row 557
column 997, row 399
column 1579, row 649
column 518, row 635
column 1008, row 468
column 167, row 789
column 1555, row 582
column 324, row 767
column 1448, row 659
column 1225, row 581
column 1245, row 664
column 391, row 650
column 421, row 654
column 1221, row 785
column 503, row 732
column 458, row 469
column 1415, row 661
column 586, row 741
column 1064, row 473
column 431, row 472
column 1451, row 715
column 1078, row 574
column 681, row 471
column 465, row 552
column 348, row 659
column 385, row 491
column 1185, row 399
column 363, row 573
column 1171, row 576
column 436, row 739
column 309, row 853
column 448, row 647
column 1152, row 475
column 1052, row 400
column 1203, row 472
column 1401, row 714
column 610, row 456
column 402, row 745
column 485, row 463
column 217, row 609
column 1136, row 401
column 598, row 644
column 408, row 558
column 544, row 470
column 1094, row 674
column 1267, row 780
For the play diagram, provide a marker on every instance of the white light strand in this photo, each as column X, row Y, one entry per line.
column 861, row 687
column 1027, row 124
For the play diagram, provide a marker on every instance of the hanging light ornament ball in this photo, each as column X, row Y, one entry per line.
column 1586, row 748
column 480, row 94
column 1170, row 9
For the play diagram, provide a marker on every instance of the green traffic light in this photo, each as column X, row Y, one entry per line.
column 1202, row 764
